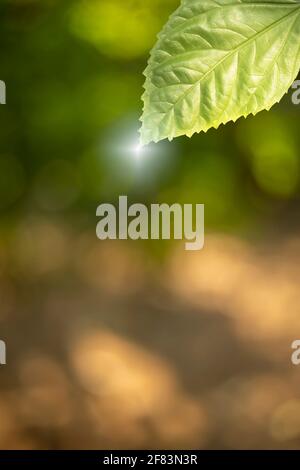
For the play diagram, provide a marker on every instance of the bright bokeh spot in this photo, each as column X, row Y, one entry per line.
column 274, row 158
column 117, row 28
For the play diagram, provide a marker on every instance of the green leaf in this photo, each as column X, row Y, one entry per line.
column 216, row 61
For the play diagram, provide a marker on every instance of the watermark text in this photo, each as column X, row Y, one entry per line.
column 160, row 221
column 2, row 92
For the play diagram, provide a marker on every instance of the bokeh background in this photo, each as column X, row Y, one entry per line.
column 126, row 344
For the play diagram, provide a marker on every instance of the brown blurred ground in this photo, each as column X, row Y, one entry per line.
column 107, row 350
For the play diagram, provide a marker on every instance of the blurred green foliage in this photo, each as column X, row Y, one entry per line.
column 74, row 79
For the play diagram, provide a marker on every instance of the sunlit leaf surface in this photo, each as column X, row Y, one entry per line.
column 216, row 61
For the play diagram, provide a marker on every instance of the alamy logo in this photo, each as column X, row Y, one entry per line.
column 295, row 357
column 296, row 94
column 138, row 223
column 2, row 353
column 2, row 92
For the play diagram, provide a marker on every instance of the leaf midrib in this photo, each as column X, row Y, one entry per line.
column 243, row 44
column 174, row 59
column 191, row 21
